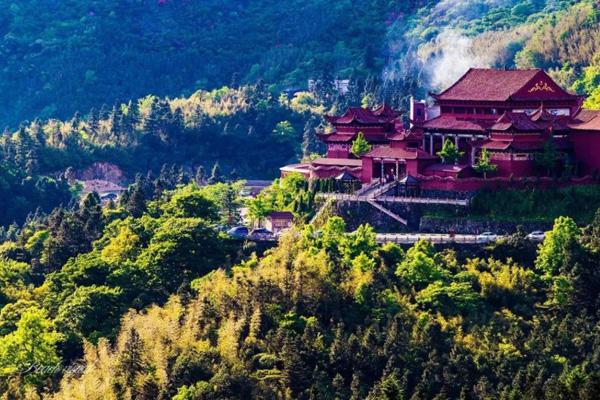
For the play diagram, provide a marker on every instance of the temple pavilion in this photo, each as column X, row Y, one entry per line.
column 514, row 115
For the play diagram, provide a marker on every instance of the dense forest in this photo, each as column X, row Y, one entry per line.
column 147, row 300
column 59, row 57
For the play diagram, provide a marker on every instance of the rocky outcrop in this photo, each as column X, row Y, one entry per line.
column 102, row 171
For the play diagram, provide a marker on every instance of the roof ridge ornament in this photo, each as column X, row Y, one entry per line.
column 541, row 86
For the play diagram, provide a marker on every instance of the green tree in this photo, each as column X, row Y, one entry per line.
column 182, row 247
column 546, row 159
column 457, row 297
column 191, row 202
column 131, row 359
column 31, row 349
column 556, row 252
column 227, row 198
column 284, row 129
column 483, row 164
column 360, row 145
column 91, row 311
column 259, row 208
column 215, row 174
column 419, row 267
column 450, row 153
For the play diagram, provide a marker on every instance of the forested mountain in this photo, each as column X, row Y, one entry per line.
column 60, row 57
column 245, row 132
column 65, row 59
column 148, row 299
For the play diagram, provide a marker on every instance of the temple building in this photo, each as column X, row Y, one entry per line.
column 515, row 117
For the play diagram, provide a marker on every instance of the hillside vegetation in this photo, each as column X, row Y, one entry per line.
column 326, row 314
column 59, row 57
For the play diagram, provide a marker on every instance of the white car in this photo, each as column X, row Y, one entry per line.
column 537, row 236
column 486, row 237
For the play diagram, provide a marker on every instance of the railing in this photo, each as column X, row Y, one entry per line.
column 394, row 199
column 367, row 188
column 383, row 188
column 400, row 238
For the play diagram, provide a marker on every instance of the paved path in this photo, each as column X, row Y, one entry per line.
column 410, row 238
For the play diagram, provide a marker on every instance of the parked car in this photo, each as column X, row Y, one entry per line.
column 222, row 228
column 486, row 237
column 260, row 233
column 238, row 232
column 537, row 236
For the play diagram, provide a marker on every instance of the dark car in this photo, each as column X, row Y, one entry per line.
column 238, row 232
column 260, row 233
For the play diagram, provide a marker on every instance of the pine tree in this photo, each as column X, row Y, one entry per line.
column 360, row 145
column 114, row 119
column 233, row 176
column 215, row 174
column 310, row 144
column 200, row 175
column 547, row 157
column 483, row 164
column 356, row 390
column 31, row 163
column 91, row 217
column 131, row 359
column 450, row 153
column 93, row 124
column 182, row 177
column 136, row 204
column 339, row 386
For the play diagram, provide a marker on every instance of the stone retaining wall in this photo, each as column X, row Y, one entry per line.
column 356, row 213
column 469, row 226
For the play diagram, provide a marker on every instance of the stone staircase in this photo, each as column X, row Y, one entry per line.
column 387, row 212
column 381, row 189
column 363, row 191
column 320, row 211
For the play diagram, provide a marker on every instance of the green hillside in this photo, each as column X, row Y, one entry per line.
column 59, row 57
column 147, row 300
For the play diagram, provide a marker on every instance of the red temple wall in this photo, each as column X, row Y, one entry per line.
column 337, row 153
column 367, row 169
column 349, row 129
column 474, row 184
column 586, row 147
column 516, row 168
column 332, row 172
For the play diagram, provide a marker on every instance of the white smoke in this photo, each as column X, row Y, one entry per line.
column 455, row 55
column 440, row 60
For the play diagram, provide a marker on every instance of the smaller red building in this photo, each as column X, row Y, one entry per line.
column 278, row 221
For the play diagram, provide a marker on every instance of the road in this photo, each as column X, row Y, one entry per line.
column 406, row 238
column 410, row 238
